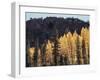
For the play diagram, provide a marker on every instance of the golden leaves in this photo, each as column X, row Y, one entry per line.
column 73, row 46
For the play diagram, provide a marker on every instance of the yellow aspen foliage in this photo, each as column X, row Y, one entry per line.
column 39, row 58
column 63, row 45
column 49, row 52
column 87, row 44
column 85, row 35
column 80, row 50
column 69, row 47
column 31, row 53
column 74, row 47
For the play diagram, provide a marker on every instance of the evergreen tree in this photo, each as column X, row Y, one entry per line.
column 56, row 52
column 43, row 52
column 56, row 47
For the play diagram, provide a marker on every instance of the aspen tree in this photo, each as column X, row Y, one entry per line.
column 69, row 48
column 31, row 54
column 80, row 50
column 49, row 53
column 39, row 58
column 85, row 46
column 63, row 49
column 74, row 45
column 56, row 52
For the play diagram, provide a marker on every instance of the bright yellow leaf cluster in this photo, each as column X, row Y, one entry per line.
column 74, row 47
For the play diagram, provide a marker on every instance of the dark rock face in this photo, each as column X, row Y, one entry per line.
column 44, row 29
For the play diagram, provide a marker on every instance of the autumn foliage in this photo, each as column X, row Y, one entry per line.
column 69, row 49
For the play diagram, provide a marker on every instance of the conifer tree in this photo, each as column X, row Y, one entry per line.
column 56, row 54
column 43, row 53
